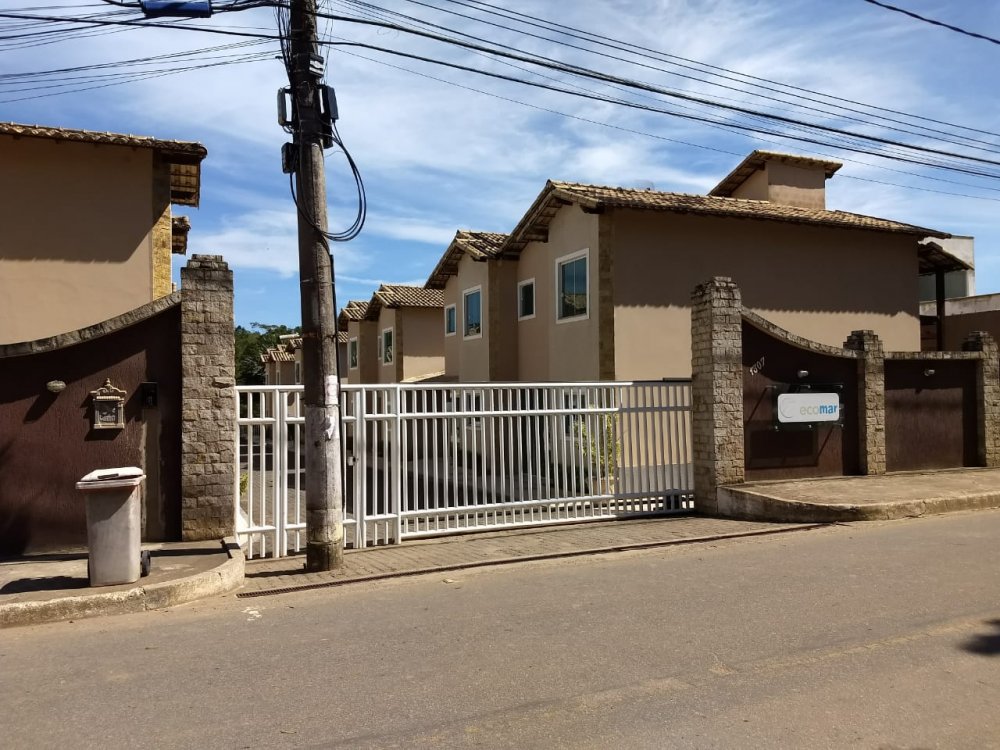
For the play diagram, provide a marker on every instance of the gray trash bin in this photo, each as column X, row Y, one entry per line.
column 114, row 533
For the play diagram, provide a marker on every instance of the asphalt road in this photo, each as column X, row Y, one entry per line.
column 876, row 636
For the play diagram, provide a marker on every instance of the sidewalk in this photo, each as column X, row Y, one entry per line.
column 50, row 587
column 276, row 576
column 872, row 498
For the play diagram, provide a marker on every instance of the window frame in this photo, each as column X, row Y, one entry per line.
column 387, row 350
column 297, row 373
column 465, row 312
column 352, row 349
column 534, row 299
column 453, row 308
column 559, row 263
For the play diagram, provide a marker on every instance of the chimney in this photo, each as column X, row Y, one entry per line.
column 783, row 179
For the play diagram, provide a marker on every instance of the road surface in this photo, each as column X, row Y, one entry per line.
column 884, row 636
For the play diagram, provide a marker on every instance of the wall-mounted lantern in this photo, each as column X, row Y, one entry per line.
column 109, row 407
column 55, row 386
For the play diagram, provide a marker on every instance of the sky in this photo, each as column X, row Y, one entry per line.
column 442, row 149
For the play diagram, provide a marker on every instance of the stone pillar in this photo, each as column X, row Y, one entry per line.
column 987, row 397
column 871, row 400
column 717, row 390
column 208, row 405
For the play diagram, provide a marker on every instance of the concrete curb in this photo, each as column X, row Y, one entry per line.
column 750, row 504
column 219, row 580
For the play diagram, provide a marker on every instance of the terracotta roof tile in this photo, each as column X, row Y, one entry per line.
column 758, row 159
column 477, row 245
column 355, row 309
column 398, row 295
column 190, row 148
column 555, row 195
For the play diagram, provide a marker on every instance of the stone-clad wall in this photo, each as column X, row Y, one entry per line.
column 209, row 399
column 717, row 387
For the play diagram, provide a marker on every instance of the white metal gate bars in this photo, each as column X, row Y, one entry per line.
column 423, row 460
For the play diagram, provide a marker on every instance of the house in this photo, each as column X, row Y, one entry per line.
column 88, row 226
column 475, row 280
column 409, row 343
column 283, row 363
column 361, row 333
column 594, row 282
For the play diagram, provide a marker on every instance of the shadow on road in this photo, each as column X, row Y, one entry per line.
column 985, row 644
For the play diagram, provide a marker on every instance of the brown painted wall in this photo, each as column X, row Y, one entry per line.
column 795, row 451
column 46, row 443
column 930, row 420
column 77, row 221
column 957, row 327
column 816, row 282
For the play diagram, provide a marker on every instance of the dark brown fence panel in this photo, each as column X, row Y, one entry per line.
column 930, row 414
column 771, row 366
column 47, row 443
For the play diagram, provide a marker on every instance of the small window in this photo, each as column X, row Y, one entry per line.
column 472, row 302
column 387, row 346
column 298, row 373
column 571, row 286
column 352, row 354
column 526, row 299
column 450, row 320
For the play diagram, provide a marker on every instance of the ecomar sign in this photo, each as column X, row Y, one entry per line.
column 808, row 407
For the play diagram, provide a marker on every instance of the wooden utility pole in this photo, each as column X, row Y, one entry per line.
column 323, row 480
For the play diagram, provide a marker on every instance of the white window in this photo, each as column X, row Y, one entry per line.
column 386, row 346
column 352, row 354
column 526, row 299
column 571, row 287
column 472, row 312
column 450, row 320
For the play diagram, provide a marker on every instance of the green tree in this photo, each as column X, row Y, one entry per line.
column 251, row 343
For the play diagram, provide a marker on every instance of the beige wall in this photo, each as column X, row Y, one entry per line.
column 391, row 372
column 420, row 341
column 368, row 366
column 816, row 282
column 468, row 358
column 551, row 351
column 786, row 184
column 76, row 246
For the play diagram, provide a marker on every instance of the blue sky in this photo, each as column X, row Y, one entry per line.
column 437, row 156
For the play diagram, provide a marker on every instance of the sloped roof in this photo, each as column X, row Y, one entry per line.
column 183, row 157
column 400, row 295
column 355, row 309
column 758, row 159
column 276, row 354
column 477, row 245
column 596, row 198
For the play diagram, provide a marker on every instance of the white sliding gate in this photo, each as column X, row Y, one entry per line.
column 423, row 460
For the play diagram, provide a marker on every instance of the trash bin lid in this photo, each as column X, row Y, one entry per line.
column 121, row 477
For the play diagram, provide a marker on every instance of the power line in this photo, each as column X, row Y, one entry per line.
column 574, row 32
column 659, row 69
column 933, row 22
column 701, row 146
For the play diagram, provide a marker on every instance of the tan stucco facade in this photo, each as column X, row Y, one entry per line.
column 367, row 370
column 467, row 357
column 816, row 282
column 83, row 223
column 786, row 184
column 552, row 350
column 418, row 342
